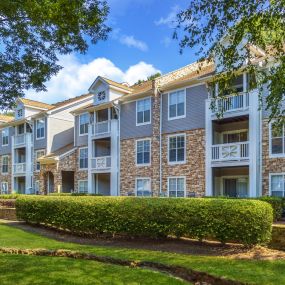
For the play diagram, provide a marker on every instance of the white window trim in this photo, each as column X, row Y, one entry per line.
column 4, row 182
column 40, row 138
column 79, row 181
column 4, row 173
column 274, row 155
column 136, row 186
column 168, row 105
column 176, row 177
column 36, row 160
column 3, row 137
column 168, row 152
column 270, row 177
column 146, row 123
column 82, row 169
column 136, row 146
column 81, row 135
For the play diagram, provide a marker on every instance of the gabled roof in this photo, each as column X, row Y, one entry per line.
column 36, row 104
column 111, row 83
column 6, row 118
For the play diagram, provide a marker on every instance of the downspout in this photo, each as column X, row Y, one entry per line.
column 160, row 141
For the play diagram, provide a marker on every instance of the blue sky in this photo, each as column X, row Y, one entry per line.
column 140, row 44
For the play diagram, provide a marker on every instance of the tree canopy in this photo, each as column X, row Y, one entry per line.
column 34, row 33
column 206, row 23
column 151, row 77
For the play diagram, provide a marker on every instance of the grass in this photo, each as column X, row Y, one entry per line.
column 248, row 271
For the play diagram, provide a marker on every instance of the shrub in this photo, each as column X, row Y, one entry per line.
column 277, row 206
column 73, row 194
column 244, row 221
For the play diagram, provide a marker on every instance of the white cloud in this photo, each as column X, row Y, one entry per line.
column 130, row 41
column 170, row 20
column 166, row 41
column 76, row 77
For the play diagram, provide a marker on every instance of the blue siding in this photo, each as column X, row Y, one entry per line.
column 6, row 149
column 40, row 143
column 195, row 111
column 128, row 123
column 79, row 140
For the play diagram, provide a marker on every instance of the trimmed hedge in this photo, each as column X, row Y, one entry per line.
column 277, row 205
column 244, row 221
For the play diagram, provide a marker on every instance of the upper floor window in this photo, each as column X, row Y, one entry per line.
column 176, row 187
column 83, row 158
column 21, row 129
column 176, row 105
column 143, row 187
column 5, row 164
column 4, row 187
column 40, row 126
column 143, row 152
column 277, row 185
column 176, row 149
column 277, row 140
column 5, row 136
column 83, row 124
column 143, row 111
column 39, row 154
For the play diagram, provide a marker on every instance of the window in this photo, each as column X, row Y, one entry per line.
column 143, row 187
column 83, row 124
column 5, row 164
column 176, row 149
column 82, row 186
column 40, row 124
column 21, row 129
column 39, row 154
column 277, row 137
column 176, row 187
column 37, row 187
column 176, row 105
column 143, row 152
column 143, row 111
column 233, row 137
column 20, row 113
column 83, row 158
column 4, row 187
column 5, row 136
column 277, row 185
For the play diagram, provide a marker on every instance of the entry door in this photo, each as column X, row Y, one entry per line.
column 230, row 187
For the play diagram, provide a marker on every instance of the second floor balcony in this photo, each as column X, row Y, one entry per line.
column 19, row 168
column 101, row 129
column 22, row 140
column 101, row 163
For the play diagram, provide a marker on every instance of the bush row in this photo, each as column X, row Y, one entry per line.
column 244, row 221
column 278, row 206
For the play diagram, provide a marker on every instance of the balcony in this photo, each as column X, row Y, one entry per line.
column 102, row 163
column 230, row 152
column 22, row 139
column 101, row 129
column 231, row 103
column 19, row 168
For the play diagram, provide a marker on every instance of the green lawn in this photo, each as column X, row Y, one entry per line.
column 249, row 271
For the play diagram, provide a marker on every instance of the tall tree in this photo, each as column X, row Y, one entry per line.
column 205, row 23
column 34, row 32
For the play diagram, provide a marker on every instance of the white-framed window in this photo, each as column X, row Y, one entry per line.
column 37, row 186
column 40, row 128
column 277, row 140
column 143, row 111
column 5, row 164
column 143, row 152
column 83, row 186
column 4, row 187
column 143, row 187
column 83, row 124
column 177, row 104
column 176, row 186
column 39, row 154
column 5, row 136
column 176, row 149
column 83, row 158
column 277, row 184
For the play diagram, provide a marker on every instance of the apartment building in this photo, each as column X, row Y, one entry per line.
column 159, row 138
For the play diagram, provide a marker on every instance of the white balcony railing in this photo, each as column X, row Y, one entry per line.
column 231, row 103
column 19, row 168
column 101, row 128
column 22, row 139
column 231, row 151
column 101, row 163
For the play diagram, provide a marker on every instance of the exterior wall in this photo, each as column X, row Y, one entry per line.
column 269, row 165
column 6, row 149
column 79, row 140
column 40, row 143
column 6, row 177
column 194, row 167
column 79, row 174
column 195, row 111
column 128, row 122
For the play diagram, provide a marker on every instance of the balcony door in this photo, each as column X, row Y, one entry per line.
column 236, row 187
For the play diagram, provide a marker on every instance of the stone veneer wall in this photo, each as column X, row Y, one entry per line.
column 6, row 177
column 79, row 174
column 269, row 165
column 194, row 167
